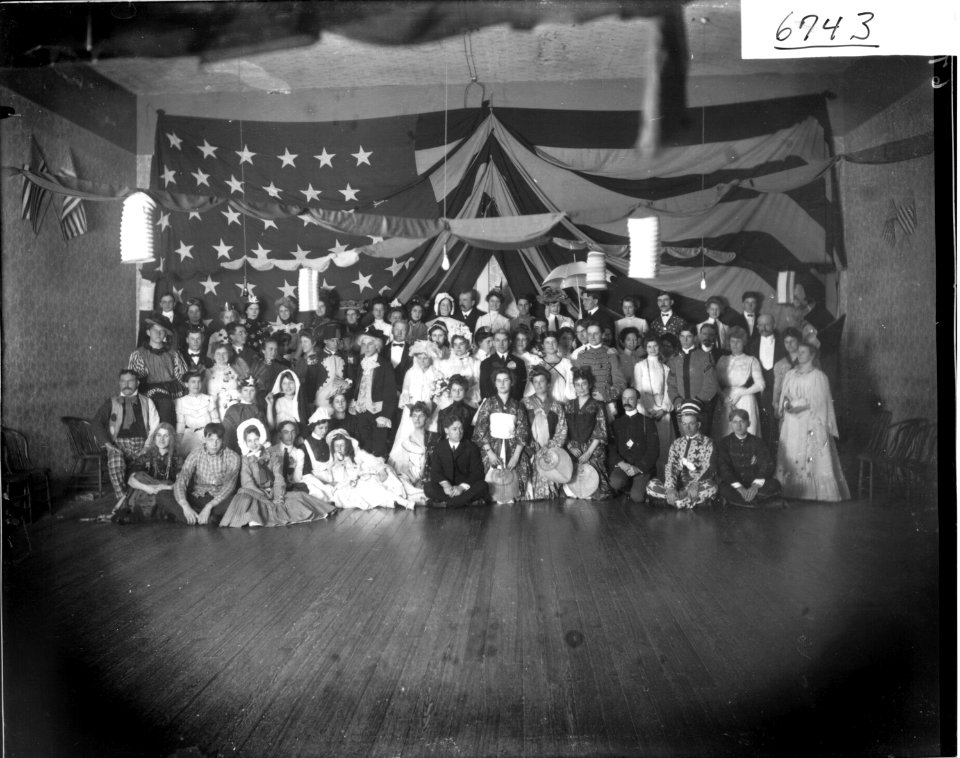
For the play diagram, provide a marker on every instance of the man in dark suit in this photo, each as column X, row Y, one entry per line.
column 466, row 310
column 593, row 311
column 193, row 352
column 456, row 470
column 768, row 349
column 747, row 318
column 709, row 342
column 666, row 322
column 693, row 376
column 501, row 358
column 634, row 449
column 373, row 396
column 399, row 351
column 745, row 466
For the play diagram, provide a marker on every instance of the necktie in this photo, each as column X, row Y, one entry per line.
column 287, row 468
column 686, row 374
column 453, row 448
column 127, row 412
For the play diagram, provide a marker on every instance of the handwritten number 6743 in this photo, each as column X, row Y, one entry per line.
column 784, row 32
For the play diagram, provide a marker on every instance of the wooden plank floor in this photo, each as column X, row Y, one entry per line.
column 538, row 629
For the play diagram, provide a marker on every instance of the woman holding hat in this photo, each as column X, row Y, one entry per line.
column 359, row 479
column 502, row 430
column 422, row 383
column 286, row 328
column 548, row 430
column 587, row 430
column 263, row 499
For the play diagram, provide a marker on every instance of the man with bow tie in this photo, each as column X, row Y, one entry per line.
column 666, row 322
column 159, row 369
column 399, row 349
column 122, row 425
column 192, row 353
column 456, row 470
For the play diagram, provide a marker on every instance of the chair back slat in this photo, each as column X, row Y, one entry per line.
column 81, row 436
column 16, row 455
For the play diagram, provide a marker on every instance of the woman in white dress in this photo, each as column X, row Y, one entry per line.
column 443, row 310
column 740, row 377
column 225, row 377
column 358, row 479
column 561, row 370
column 650, row 380
column 808, row 466
column 462, row 363
column 284, row 402
column 409, row 454
column 423, row 382
column 194, row 411
column 521, row 349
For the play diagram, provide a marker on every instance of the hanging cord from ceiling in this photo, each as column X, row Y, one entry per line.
column 472, row 70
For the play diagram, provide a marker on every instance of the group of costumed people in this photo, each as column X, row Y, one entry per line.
column 556, row 406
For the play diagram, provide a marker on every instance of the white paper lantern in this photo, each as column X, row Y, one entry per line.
column 644, row 247
column 596, row 270
column 137, row 229
column 145, row 295
column 308, row 288
column 785, row 284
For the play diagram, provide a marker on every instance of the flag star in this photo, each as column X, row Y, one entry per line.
column 164, row 221
column 168, row 175
column 300, row 255
column 325, row 285
column 349, row 193
column 374, row 239
column 209, row 286
column 178, row 294
column 208, row 150
column 233, row 217
column 174, row 141
column 287, row 158
column 363, row 282
column 245, row 155
column 288, row 290
column 325, row 158
column 363, row 156
column 235, row 184
column 272, row 190
column 194, row 215
column 260, row 251
column 184, row 251
column 248, row 286
column 201, row 177
column 269, row 223
column 223, row 250
column 395, row 267
column 311, row 193
column 338, row 248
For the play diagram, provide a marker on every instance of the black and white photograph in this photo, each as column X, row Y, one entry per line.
column 499, row 378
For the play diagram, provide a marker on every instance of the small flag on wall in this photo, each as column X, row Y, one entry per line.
column 34, row 200
column 73, row 217
column 903, row 217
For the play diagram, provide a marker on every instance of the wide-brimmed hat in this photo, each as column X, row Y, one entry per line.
column 551, row 295
column 425, row 347
column 155, row 319
column 554, row 464
column 585, row 484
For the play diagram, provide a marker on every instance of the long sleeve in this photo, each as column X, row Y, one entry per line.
column 670, row 470
column 231, row 470
column 101, row 422
column 725, row 467
column 185, row 475
column 651, row 443
column 247, row 480
column 756, row 372
column 559, row 438
column 179, row 365
column 137, row 365
column 181, row 419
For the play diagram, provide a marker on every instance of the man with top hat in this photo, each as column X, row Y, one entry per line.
column 633, row 451
column 466, row 310
column 159, row 369
column 192, row 351
column 373, row 397
column 690, row 476
column 456, row 474
column 502, row 358
column 552, row 299
column 237, row 413
column 493, row 319
column 122, row 425
column 666, row 322
column 745, row 466
column 594, row 311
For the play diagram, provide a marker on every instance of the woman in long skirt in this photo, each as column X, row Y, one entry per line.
column 587, row 430
column 548, row 429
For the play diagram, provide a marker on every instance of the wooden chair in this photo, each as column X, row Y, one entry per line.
column 901, row 447
column 17, row 464
column 874, row 452
column 90, row 460
column 921, row 466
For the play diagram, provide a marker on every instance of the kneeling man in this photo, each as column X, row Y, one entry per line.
column 208, row 478
column 634, row 449
column 691, row 470
column 746, row 466
column 456, row 471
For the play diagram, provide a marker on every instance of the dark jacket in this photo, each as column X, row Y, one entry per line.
column 470, row 320
column 636, row 441
column 703, row 377
column 518, row 372
column 742, row 461
column 383, row 389
column 461, row 467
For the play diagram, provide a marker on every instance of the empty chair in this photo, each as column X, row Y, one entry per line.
column 874, row 451
column 17, row 465
column 90, row 460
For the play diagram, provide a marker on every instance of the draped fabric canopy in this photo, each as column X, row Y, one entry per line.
column 254, row 201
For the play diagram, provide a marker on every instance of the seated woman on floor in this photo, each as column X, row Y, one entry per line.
column 263, row 499
column 587, row 430
column 153, row 471
column 411, row 450
column 359, row 479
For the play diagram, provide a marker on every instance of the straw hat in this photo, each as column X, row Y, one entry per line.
column 555, row 465
column 585, row 484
